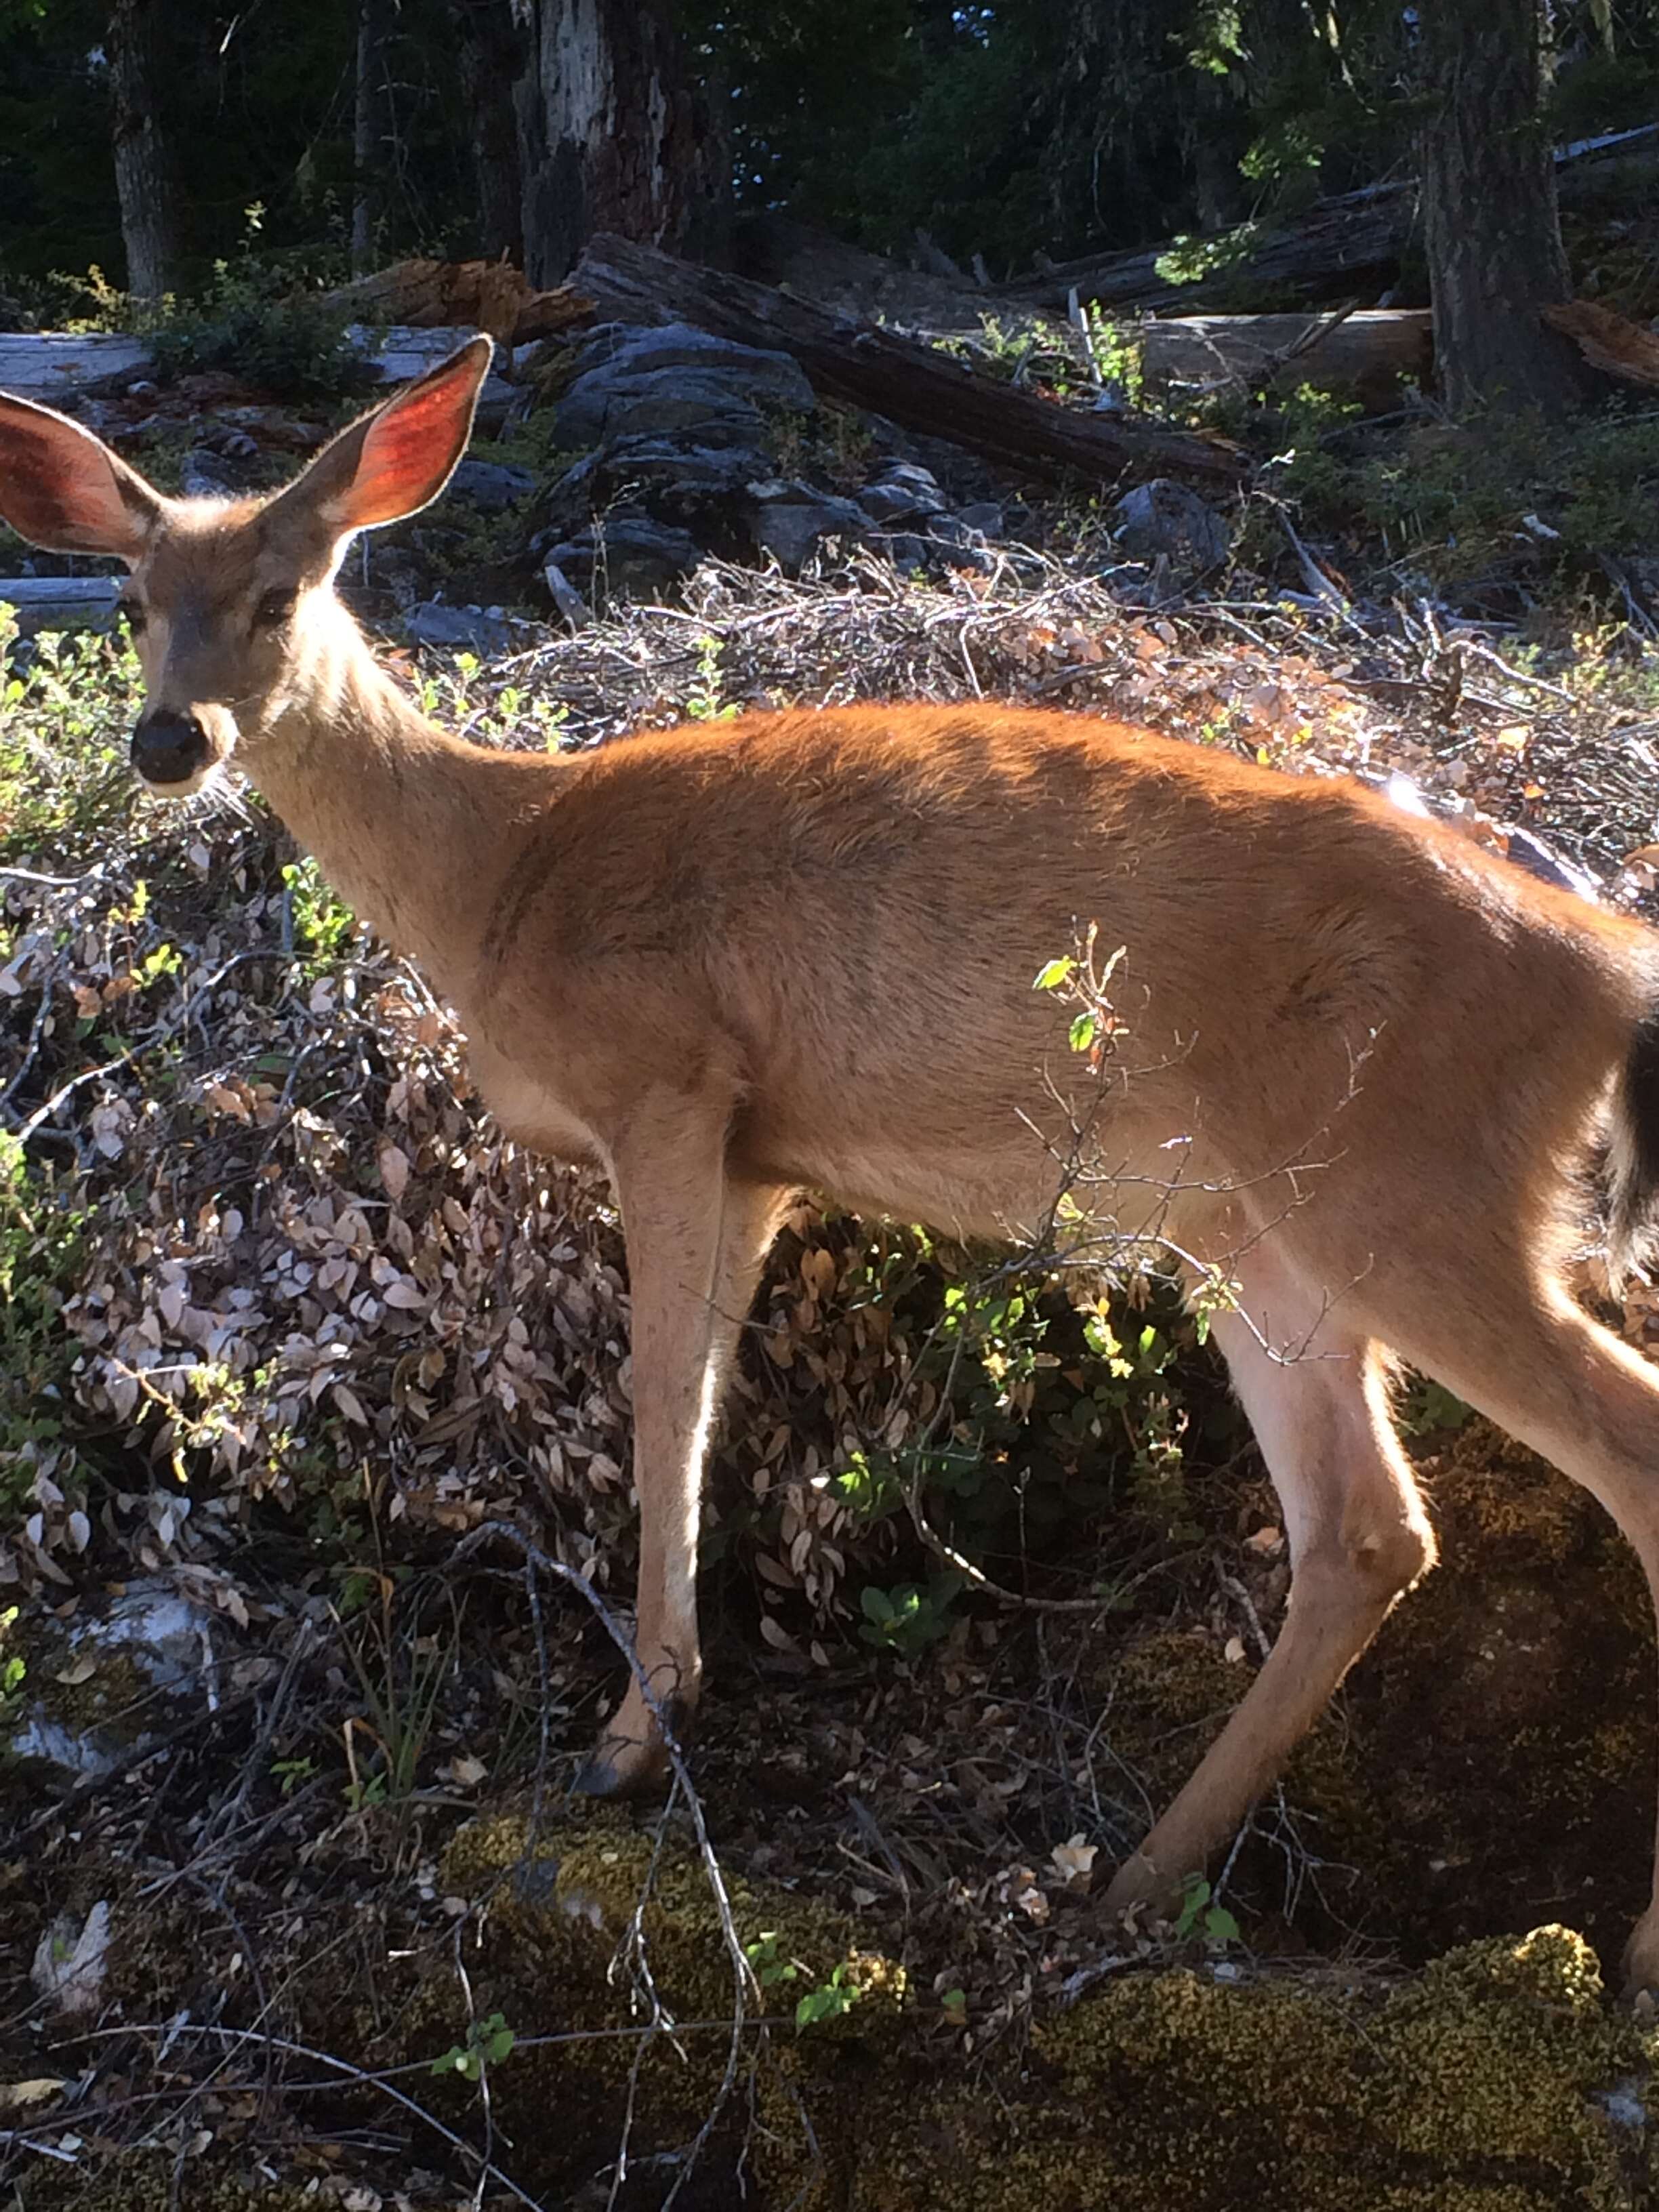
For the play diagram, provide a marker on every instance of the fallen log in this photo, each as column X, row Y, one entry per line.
column 1340, row 246
column 57, row 369
column 481, row 296
column 1369, row 352
column 911, row 384
column 60, row 602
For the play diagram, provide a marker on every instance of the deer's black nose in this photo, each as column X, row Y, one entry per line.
column 169, row 747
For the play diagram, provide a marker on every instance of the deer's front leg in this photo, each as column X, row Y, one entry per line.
column 695, row 1242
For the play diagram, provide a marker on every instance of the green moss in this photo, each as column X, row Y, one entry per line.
column 565, row 1935
column 1469, row 2090
column 150, row 2181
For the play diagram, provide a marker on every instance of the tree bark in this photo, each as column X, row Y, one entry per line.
column 144, row 181
column 909, row 383
column 1490, row 227
column 369, row 133
column 612, row 136
column 490, row 50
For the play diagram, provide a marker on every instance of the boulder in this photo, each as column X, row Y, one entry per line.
column 628, row 555
column 108, row 1683
column 471, row 629
column 1163, row 519
column 789, row 519
column 492, row 485
column 631, row 381
column 903, row 489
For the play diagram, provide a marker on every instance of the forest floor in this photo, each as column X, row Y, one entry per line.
column 293, row 1340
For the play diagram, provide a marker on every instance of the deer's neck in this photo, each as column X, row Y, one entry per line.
column 414, row 828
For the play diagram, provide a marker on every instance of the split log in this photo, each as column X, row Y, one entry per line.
column 1369, row 352
column 911, row 384
column 1340, row 247
column 483, row 295
column 60, row 602
column 1608, row 341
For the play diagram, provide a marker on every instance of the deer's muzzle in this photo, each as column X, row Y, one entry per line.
column 170, row 748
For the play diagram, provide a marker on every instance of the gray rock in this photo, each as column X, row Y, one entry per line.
column 1164, row 519
column 492, row 485
column 458, row 628
column 903, row 489
column 169, row 1641
column 629, row 555
column 789, row 519
column 207, row 474
column 677, row 481
column 984, row 515
column 684, row 472
column 631, row 381
column 886, row 505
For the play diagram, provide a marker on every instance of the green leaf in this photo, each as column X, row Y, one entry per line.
column 1085, row 1027
column 1055, row 976
column 1193, row 1903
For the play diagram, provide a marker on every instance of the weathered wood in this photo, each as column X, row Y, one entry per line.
column 1337, row 248
column 421, row 293
column 1608, row 341
column 1347, row 242
column 909, row 383
column 1369, row 352
column 52, row 366
column 60, row 602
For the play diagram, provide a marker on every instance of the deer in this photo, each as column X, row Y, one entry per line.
column 729, row 964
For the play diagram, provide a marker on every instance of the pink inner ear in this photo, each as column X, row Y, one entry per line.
column 408, row 452
column 59, row 488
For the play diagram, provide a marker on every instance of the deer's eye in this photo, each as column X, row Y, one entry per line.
column 132, row 614
column 274, row 609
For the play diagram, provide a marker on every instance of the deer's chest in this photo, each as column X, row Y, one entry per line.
column 529, row 1110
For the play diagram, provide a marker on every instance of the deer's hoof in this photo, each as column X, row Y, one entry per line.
column 622, row 1766
column 1638, row 1969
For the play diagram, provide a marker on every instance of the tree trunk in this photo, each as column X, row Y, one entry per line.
column 490, row 52
column 143, row 173
column 1490, row 224
column 369, row 133
column 612, row 136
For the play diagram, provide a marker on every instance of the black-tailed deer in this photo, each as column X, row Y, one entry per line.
column 728, row 963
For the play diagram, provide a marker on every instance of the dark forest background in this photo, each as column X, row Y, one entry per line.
column 1032, row 128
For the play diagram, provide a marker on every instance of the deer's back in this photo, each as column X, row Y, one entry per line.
column 842, row 915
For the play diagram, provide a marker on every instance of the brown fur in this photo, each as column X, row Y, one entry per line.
column 1362, row 1058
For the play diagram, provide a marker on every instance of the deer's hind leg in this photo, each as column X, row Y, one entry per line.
column 1315, row 1392
column 1536, row 1365
column 697, row 1236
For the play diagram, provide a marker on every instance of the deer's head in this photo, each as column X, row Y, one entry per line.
column 231, row 602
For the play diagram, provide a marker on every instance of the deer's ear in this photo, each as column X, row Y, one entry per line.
column 63, row 489
column 396, row 460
